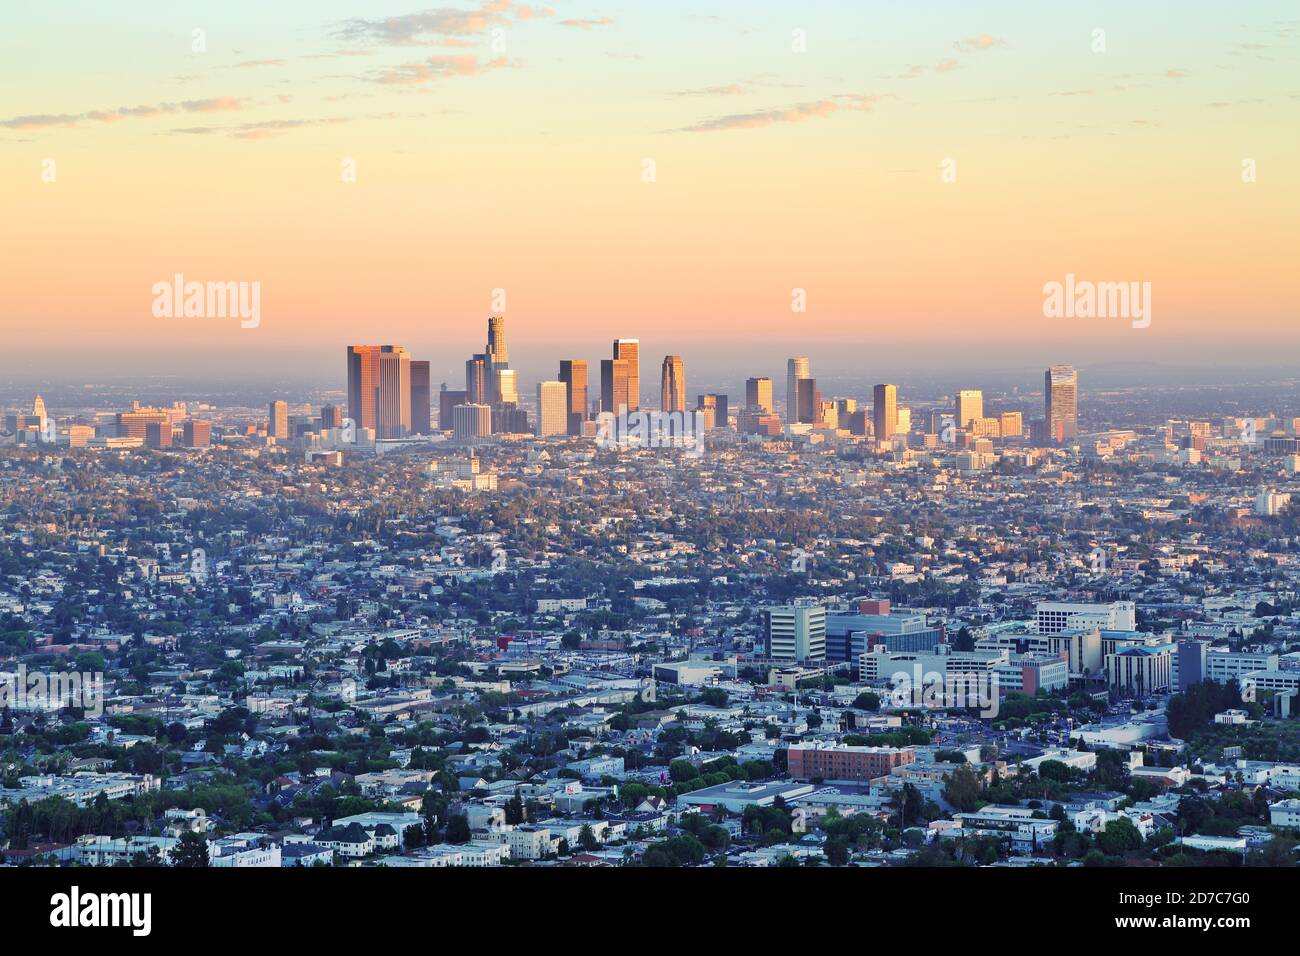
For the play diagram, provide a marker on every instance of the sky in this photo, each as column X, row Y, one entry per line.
column 866, row 183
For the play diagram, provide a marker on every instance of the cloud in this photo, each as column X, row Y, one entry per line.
column 47, row 120
column 437, row 68
column 981, row 42
column 1175, row 74
column 791, row 114
column 731, row 89
column 586, row 24
column 438, row 24
column 412, row 28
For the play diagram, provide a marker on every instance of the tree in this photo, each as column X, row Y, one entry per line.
column 587, row 839
column 962, row 789
column 190, row 850
column 1119, row 837
column 837, row 851
column 458, row 830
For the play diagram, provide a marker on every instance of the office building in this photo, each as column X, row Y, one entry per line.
column 1192, row 663
column 884, row 411
column 715, row 410
column 835, row 761
column 448, row 399
column 379, row 389
column 629, row 350
column 758, row 394
column 795, row 632
column 795, row 369
column 1061, row 398
column 196, row 433
column 134, row 423
column 472, row 422
column 277, row 420
column 505, row 386
column 476, row 380
column 969, row 406
column 672, row 384
column 1011, row 425
column 158, row 435
column 331, row 416
column 393, row 401
column 614, row 386
column 1139, row 671
column 573, row 373
column 809, row 401
column 1054, row 617
column 552, row 408
column 421, row 397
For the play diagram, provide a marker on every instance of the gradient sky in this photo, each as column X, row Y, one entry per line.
column 522, row 169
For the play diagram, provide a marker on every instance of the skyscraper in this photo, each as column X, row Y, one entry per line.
column 448, row 399
column 630, row 351
column 884, row 412
column 758, row 394
column 393, row 405
column 420, row 398
column 496, row 341
column 331, row 416
column 552, row 408
column 614, row 386
column 969, row 406
column 473, row 422
column 277, row 420
column 573, row 373
column 507, row 391
column 808, row 401
column 363, row 384
column 379, row 389
column 795, row 369
column 1061, row 397
column 715, row 409
column 672, row 384
column 476, row 379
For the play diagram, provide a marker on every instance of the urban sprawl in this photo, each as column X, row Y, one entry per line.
column 433, row 628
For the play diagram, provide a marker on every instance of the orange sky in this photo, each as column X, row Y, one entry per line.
column 515, row 160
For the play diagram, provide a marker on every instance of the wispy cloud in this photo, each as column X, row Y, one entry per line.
column 437, row 25
column 730, row 89
column 981, row 42
column 47, row 120
column 790, row 114
column 581, row 24
column 438, row 68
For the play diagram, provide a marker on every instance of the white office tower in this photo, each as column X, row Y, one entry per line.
column 796, row 632
column 1052, row 618
column 552, row 409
